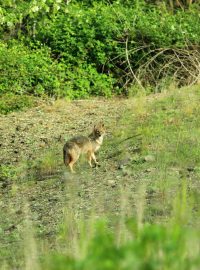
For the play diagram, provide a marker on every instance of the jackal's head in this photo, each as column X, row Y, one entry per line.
column 99, row 130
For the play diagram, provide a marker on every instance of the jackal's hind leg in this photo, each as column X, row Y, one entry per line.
column 74, row 159
column 89, row 156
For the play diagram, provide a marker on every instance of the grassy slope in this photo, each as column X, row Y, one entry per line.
column 169, row 131
column 150, row 170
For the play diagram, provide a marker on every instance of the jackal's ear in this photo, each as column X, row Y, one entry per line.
column 101, row 123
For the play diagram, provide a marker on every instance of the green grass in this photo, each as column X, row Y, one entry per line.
column 151, row 247
column 46, row 165
column 168, row 144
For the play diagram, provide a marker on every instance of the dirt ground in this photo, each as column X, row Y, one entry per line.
column 26, row 136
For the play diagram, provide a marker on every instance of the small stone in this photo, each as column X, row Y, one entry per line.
column 149, row 170
column 111, row 183
column 42, row 144
column 149, row 158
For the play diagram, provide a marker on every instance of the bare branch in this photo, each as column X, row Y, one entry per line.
column 129, row 64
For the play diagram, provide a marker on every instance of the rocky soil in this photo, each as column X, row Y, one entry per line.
column 26, row 137
column 24, row 134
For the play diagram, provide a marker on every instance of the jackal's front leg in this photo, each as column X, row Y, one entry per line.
column 91, row 156
column 95, row 160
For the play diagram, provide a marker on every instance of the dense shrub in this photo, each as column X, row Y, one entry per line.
column 161, row 28
column 26, row 71
column 83, row 48
column 85, row 81
column 121, row 41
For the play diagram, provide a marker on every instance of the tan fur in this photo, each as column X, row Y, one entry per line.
column 84, row 145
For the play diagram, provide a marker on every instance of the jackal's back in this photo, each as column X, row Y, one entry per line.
column 78, row 143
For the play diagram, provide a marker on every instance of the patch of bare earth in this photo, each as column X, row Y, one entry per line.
column 24, row 134
column 27, row 135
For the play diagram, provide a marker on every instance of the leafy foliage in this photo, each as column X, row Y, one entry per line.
column 82, row 48
column 120, row 41
column 26, row 71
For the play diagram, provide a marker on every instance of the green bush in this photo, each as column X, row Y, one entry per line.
column 97, row 36
column 86, row 36
column 158, row 27
column 86, row 48
column 26, row 71
column 84, row 81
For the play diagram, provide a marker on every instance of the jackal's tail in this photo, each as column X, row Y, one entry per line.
column 66, row 157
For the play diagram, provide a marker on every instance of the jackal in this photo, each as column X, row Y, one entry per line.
column 84, row 145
